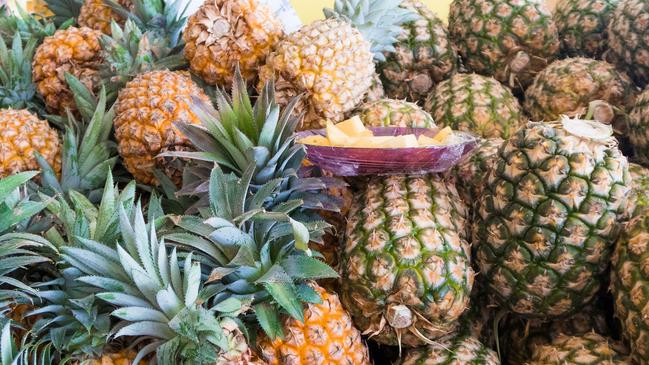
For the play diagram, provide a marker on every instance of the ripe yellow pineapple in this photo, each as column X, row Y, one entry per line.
column 73, row 50
column 329, row 62
column 95, row 14
column 327, row 336
column 22, row 134
column 224, row 33
column 124, row 357
column 145, row 111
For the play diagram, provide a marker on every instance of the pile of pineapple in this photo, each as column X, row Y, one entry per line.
column 156, row 206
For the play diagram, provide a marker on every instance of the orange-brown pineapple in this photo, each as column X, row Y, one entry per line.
column 95, row 14
column 223, row 33
column 22, row 134
column 146, row 109
column 73, row 50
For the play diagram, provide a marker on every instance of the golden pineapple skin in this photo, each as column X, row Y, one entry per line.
column 22, row 135
column 224, row 33
column 124, row 357
column 145, row 111
column 327, row 336
column 73, row 50
column 96, row 15
column 329, row 62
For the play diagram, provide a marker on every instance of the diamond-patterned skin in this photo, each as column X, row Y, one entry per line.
column 582, row 26
column 459, row 351
column 628, row 33
column 588, row 349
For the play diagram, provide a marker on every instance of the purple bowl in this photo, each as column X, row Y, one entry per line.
column 349, row 161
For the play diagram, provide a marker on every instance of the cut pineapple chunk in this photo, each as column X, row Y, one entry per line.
column 338, row 137
column 443, row 136
column 406, row 141
column 354, row 128
column 371, row 142
column 315, row 140
column 427, row 141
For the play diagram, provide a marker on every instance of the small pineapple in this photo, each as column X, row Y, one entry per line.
column 225, row 33
column 73, row 50
column 406, row 264
column 477, row 104
column 464, row 350
column 328, row 61
column 394, row 113
column 23, row 135
column 627, row 34
column 556, row 186
column 511, row 40
column 588, row 349
column 582, row 26
column 638, row 131
column 145, row 111
column 471, row 173
column 97, row 15
column 567, row 87
column 327, row 335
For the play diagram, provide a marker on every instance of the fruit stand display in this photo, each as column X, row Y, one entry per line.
column 215, row 182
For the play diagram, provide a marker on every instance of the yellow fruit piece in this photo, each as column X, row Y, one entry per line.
column 315, row 140
column 407, row 141
column 427, row 141
column 371, row 142
column 354, row 127
column 443, row 135
column 338, row 137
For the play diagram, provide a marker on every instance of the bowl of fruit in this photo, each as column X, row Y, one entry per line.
column 350, row 149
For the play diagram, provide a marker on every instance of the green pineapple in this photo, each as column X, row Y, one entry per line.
column 639, row 197
column 511, row 40
column 587, row 349
column 394, row 113
column 627, row 39
column 406, row 262
column 548, row 218
column 461, row 350
column 582, row 26
column 470, row 173
column 477, row 104
column 638, row 131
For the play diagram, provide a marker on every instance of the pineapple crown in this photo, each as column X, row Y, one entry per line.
column 65, row 11
column 379, row 21
column 16, row 88
column 27, row 25
column 88, row 153
column 256, row 255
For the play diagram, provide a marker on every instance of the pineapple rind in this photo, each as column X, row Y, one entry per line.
column 627, row 34
column 464, row 350
column 590, row 348
column 638, row 130
column 394, row 113
column 582, row 26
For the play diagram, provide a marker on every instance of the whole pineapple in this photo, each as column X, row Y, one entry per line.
column 588, row 349
column 511, row 40
column 638, row 131
column 224, row 33
column 629, row 278
column 23, row 135
column 627, row 34
column 471, row 173
column 328, row 61
column 97, row 15
column 73, row 50
column 394, row 113
column 145, row 111
column 477, row 104
column 582, row 26
column 406, row 265
column 639, row 197
column 568, row 86
column 462, row 351
column 547, row 219
column 327, row 335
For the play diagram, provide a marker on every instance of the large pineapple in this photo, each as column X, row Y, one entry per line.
column 23, row 135
column 145, row 111
column 582, row 26
column 638, row 130
column 224, row 33
column 329, row 62
column 546, row 222
column 567, row 87
column 73, row 50
column 629, row 278
column 510, row 40
column 406, row 271
column 97, row 15
column 327, row 335
column 477, row 104
column 471, row 173
column 588, row 349
column 461, row 350
column 627, row 34
column 394, row 113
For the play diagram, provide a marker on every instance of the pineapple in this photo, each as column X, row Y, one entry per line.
column 329, row 62
column 568, row 86
column 327, row 335
column 639, row 197
column 394, row 113
column 406, row 264
column 225, row 33
column 477, row 104
column 638, row 131
column 73, row 50
column 587, row 349
column 97, row 15
column 471, row 173
column 582, row 26
column 629, row 278
column 144, row 112
column 23, row 135
column 463, row 350
column 627, row 34
column 510, row 40
column 548, row 217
